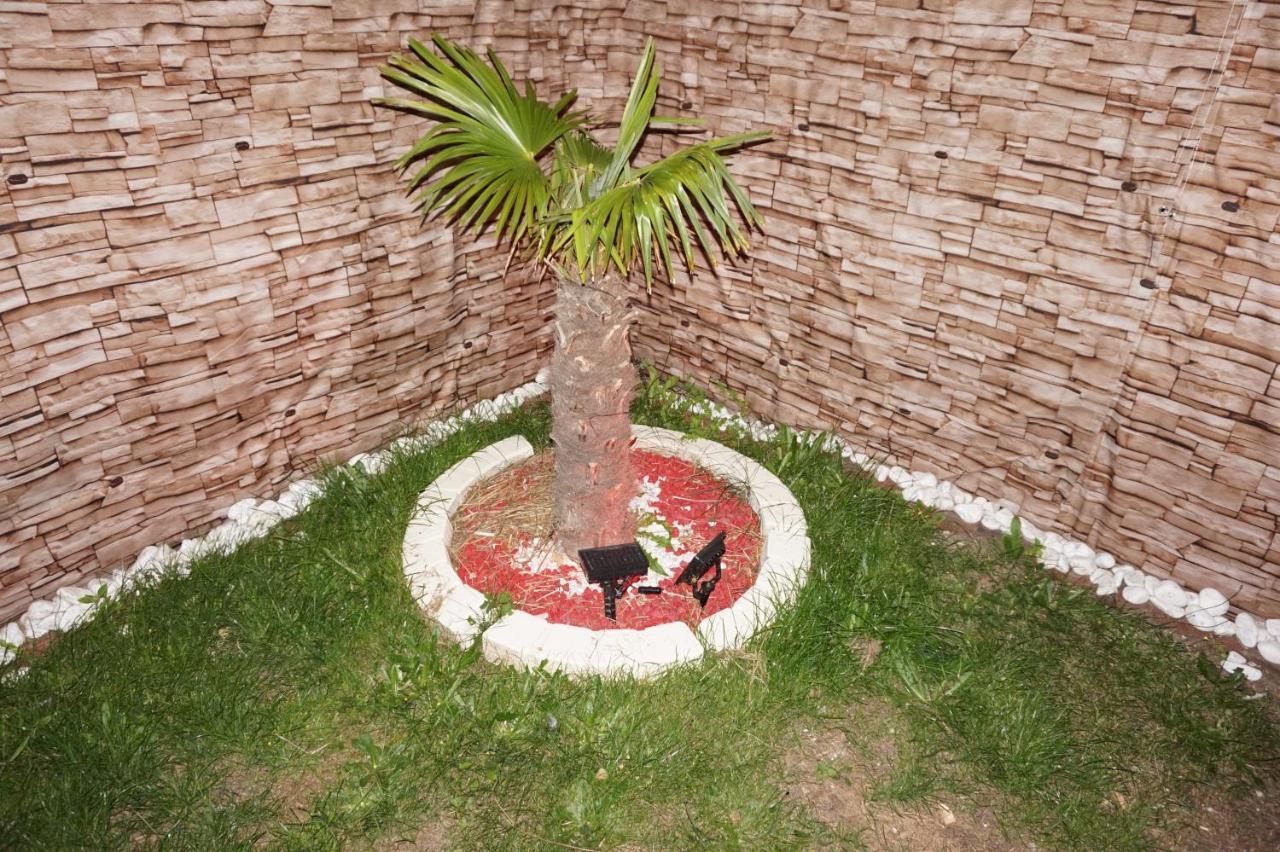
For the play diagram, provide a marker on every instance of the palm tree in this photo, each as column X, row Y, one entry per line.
column 499, row 157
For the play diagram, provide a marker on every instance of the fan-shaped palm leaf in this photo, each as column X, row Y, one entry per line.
column 594, row 209
column 673, row 203
column 480, row 161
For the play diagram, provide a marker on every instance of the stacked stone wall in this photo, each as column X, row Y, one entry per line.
column 210, row 278
column 1028, row 245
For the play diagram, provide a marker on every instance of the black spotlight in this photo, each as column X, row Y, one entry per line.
column 610, row 566
column 707, row 558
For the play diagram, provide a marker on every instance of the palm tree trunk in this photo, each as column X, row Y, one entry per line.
column 592, row 384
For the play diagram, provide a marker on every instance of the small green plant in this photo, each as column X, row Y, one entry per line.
column 94, row 597
column 812, row 455
column 1013, row 548
column 497, row 606
column 654, row 529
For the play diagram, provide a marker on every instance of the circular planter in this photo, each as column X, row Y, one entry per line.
column 526, row 640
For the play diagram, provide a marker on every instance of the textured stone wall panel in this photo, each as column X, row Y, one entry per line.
column 209, row 276
column 997, row 248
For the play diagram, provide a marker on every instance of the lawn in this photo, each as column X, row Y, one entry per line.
column 289, row 694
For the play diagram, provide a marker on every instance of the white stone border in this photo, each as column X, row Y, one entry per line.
column 246, row 519
column 525, row 640
column 251, row 518
column 1206, row 610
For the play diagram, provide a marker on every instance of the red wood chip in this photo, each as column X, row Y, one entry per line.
column 689, row 501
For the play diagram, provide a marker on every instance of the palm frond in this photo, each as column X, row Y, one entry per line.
column 479, row 163
column 665, row 208
column 578, row 165
column 635, row 115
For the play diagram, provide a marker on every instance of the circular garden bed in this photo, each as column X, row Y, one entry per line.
column 481, row 534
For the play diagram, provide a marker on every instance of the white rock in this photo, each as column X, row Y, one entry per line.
column 11, row 635
column 997, row 519
column 1130, row 576
column 899, row 476
column 970, row 513
column 39, row 619
column 1171, row 610
column 1107, row 583
column 1205, row 621
column 1082, row 565
column 944, row 503
column 1247, row 630
column 924, row 480
column 1170, row 593
column 72, row 594
column 1225, row 628
column 299, row 495
column 1104, row 560
column 374, row 463
column 192, row 548
column 1270, row 650
column 1273, row 627
column 69, row 615
column 1237, row 663
column 1080, row 557
column 1136, row 595
column 406, row 444
column 241, row 510
column 1077, row 549
column 1213, row 601
column 149, row 561
column 268, row 513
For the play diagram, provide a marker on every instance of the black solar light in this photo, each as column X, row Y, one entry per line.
column 707, row 558
column 611, row 565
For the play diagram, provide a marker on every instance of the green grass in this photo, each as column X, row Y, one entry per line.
column 289, row 694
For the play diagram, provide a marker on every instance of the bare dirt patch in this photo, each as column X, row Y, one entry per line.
column 431, row 837
column 1248, row 822
column 833, row 773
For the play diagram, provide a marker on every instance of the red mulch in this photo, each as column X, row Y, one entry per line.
column 689, row 500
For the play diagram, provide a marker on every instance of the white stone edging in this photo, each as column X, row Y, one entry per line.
column 246, row 520
column 251, row 518
column 522, row 639
column 1206, row 610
